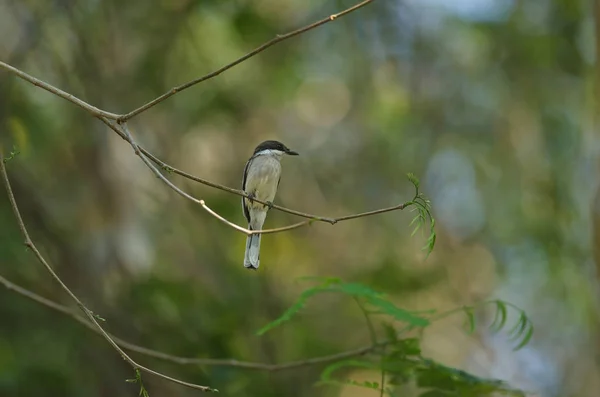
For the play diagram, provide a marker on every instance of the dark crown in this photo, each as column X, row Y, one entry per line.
column 271, row 145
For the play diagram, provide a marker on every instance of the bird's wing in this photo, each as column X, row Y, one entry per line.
column 245, row 208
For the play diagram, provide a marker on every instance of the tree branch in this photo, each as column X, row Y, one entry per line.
column 58, row 92
column 124, row 117
column 122, row 130
column 277, row 39
column 65, row 310
column 144, row 154
column 91, row 317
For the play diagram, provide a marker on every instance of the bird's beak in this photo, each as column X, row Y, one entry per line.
column 292, row 153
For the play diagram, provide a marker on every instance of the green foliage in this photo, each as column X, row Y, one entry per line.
column 167, row 169
column 371, row 297
column 470, row 326
column 447, row 381
column 423, row 207
column 490, row 107
column 97, row 316
column 327, row 374
column 138, row 379
column 400, row 359
column 431, row 377
column 13, row 153
column 522, row 331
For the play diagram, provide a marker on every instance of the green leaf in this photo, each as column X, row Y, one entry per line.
column 399, row 314
column 409, row 346
column 390, row 332
column 459, row 383
column 356, row 290
column 436, row 393
column 500, row 316
column 470, row 319
column 522, row 330
column 327, row 374
column 376, row 299
column 365, row 384
column 14, row 153
column 526, row 338
column 515, row 332
column 413, row 179
column 295, row 308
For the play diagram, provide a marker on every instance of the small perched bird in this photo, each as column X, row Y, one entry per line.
column 261, row 180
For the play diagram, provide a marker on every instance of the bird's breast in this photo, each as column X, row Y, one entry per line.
column 263, row 178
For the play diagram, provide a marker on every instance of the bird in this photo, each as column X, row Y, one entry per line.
column 262, row 175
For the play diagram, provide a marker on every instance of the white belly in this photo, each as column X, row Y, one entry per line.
column 262, row 179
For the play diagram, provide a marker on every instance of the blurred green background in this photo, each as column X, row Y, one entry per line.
column 492, row 103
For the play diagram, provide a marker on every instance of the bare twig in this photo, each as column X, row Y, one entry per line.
column 144, row 154
column 124, row 132
column 58, row 92
column 311, row 217
column 277, row 39
column 124, row 117
column 136, row 148
column 92, row 319
column 177, row 359
column 170, row 168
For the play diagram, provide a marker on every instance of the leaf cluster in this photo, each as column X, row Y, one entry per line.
column 398, row 357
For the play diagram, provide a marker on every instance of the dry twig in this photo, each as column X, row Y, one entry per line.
column 188, row 360
column 144, row 154
column 91, row 317
column 117, row 122
column 279, row 38
column 124, row 117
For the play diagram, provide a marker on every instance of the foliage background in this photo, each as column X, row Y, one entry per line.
column 491, row 103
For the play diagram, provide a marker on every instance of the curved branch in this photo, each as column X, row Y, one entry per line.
column 185, row 360
column 123, row 131
column 275, row 40
column 124, row 117
column 91, row 317
column 58, row 92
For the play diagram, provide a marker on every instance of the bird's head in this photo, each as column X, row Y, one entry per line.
column 274, row 147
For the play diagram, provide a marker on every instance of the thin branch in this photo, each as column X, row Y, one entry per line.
column 123, row 131
column 277, row 39
column 65, row 310
column 91, row 317
column 382, row 386
column 124, row 117
column 58, row 92
column 372, row 333
column 241, row 193
column 106, row 118
column 374, row 342
column 234, row 191
column 138, row 152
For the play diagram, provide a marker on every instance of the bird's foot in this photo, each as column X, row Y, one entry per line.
column 269, row 204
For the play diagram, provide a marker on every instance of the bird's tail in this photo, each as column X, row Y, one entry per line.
column 252, row 255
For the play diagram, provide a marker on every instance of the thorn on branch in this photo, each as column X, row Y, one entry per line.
column 168, row 169
column 14, row 153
